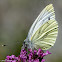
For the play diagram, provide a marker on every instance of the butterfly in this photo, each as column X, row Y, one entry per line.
column 44, row 30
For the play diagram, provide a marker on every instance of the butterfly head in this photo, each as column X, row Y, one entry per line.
column 27, row 44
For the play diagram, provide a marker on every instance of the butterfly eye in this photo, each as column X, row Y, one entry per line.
column 23, row 42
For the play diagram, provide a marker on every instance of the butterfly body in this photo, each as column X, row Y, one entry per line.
column 44, row 30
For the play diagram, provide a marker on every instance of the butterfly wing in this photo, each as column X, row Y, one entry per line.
column 44, row 30
column 48, row 11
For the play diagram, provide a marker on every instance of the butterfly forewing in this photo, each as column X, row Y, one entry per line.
column 44, row 30
column 48, row 11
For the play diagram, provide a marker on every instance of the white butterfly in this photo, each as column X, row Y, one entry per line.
column 44, row 30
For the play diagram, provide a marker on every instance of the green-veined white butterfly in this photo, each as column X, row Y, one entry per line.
column 44, row 30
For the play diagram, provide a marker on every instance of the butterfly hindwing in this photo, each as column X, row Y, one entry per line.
column 45, row 36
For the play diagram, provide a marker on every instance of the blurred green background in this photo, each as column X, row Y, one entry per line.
column 16, row 17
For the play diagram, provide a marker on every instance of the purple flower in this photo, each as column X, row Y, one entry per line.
column 23, row 55
column 35, row 51
column 47, row 52
column 40, row 52
column 36, row 60
column 30, row 50
column 11, row 58
column 43, row 60
column 33, row 56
